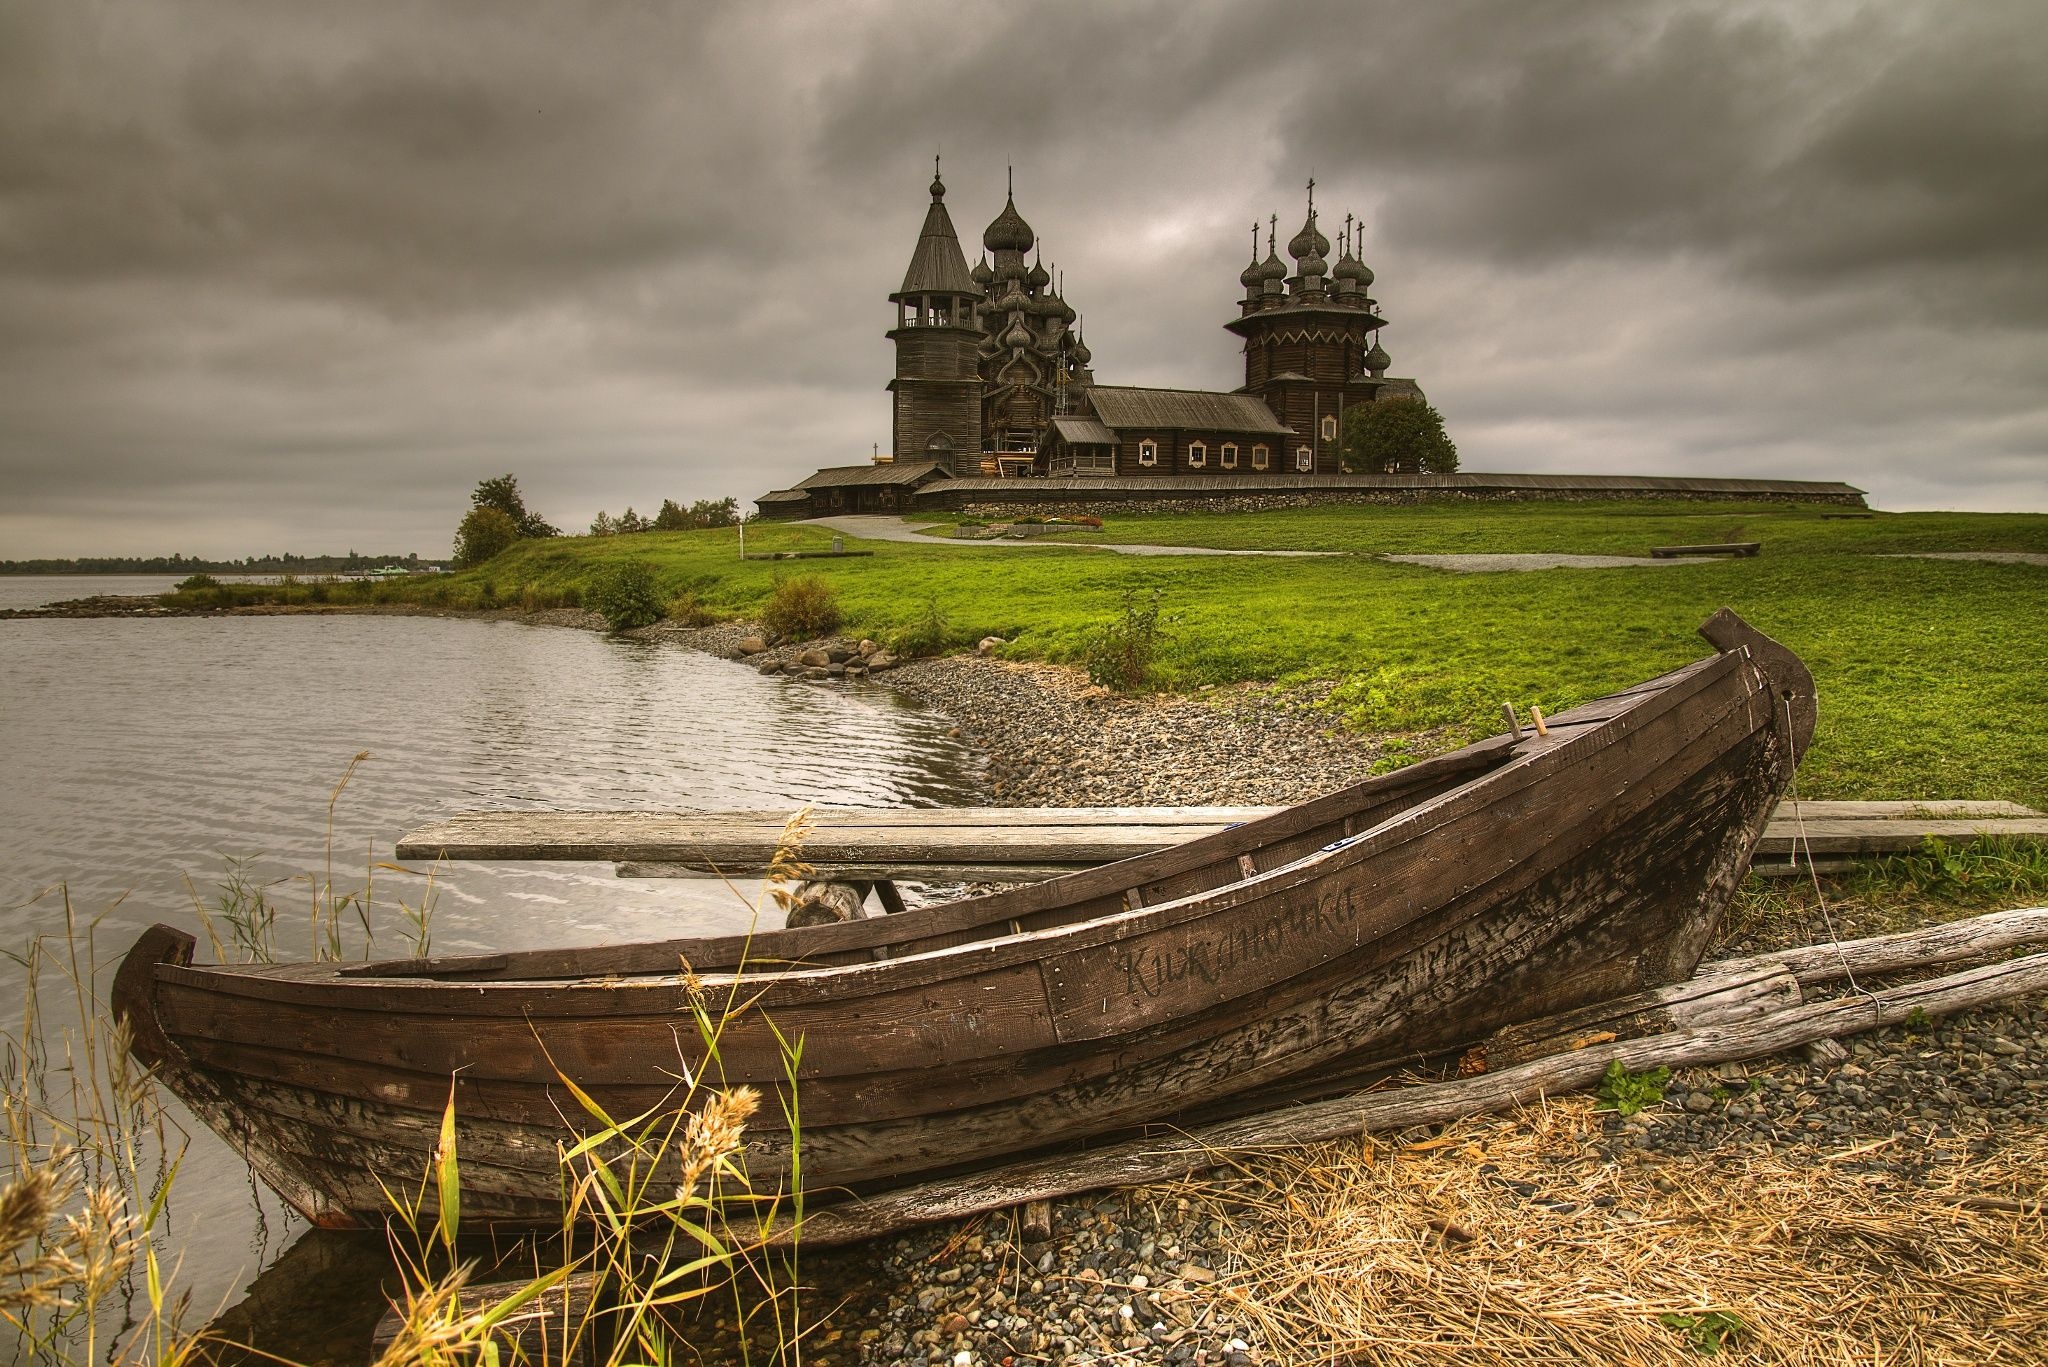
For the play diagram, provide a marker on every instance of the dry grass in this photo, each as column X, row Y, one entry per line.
column 1428, row 1254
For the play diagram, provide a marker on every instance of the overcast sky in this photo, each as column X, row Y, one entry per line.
column 295, row 275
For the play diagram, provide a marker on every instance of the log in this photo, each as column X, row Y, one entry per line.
column 1140, row 1161
column 1976, row 937
column 1715, row 999
column 1036, row 1222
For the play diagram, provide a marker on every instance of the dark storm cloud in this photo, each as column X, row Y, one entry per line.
column 298, row 275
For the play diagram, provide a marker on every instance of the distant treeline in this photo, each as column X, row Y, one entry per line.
column 192, row 564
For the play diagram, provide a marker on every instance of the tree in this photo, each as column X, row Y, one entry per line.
column 725, row 512
column 484, row 532
column 503, row 494
column 630, row 521
column 602, row 524
column 1397, row 436
column 671, row 518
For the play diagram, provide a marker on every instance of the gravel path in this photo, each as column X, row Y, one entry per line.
column 1134, row 1276
column 898, row 529
column 1994, row 557
column 1534, row 560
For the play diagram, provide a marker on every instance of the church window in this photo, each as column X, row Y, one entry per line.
column 1261, row 456
column 1148, row 452
column 1329, row 429
column 1229, row 455
column 1198, row 454
column 1304, row 459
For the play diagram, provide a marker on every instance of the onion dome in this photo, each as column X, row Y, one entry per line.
column 1377, row 359
column 1037, row 278
column 1309, row 241
column 1314, row 267
column 1045, row 306
column 1014, row 301
column 1017, row 336
column 1067, row 314
column 981, row 273
column 1009, row 232
column 1081, row 354
column 1250, row 276
column 1364, row 275
column 1272, row 268
column 1347, row 267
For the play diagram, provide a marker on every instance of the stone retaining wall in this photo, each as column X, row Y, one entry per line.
column 1078, row 502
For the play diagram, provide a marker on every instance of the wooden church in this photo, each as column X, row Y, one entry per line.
column 994, row 381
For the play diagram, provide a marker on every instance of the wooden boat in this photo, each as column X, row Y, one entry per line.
column 1526, row 874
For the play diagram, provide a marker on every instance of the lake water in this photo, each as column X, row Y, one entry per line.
column 140, row 758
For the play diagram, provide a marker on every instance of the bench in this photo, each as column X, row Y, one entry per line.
column 1734, row 549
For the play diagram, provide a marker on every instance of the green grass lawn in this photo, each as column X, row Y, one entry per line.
column 1933, row 675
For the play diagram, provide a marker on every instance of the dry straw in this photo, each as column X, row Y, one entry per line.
column 1504, row 1240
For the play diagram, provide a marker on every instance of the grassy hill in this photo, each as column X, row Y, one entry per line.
column 1933, row 674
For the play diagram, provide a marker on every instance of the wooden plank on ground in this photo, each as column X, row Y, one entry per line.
column 1032, row 843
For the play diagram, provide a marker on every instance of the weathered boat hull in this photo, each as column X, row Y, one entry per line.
column 1517, row 877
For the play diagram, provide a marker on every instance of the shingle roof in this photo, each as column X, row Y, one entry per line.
column 784, row 496
column 937, row 265
column 1182, row 409
column 895, row 472
column 1083, row 432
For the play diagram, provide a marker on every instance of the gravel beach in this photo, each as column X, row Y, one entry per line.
column 1148, row 1275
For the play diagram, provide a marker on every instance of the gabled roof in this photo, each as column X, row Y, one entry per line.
column 784, row 496
column 1083, row 432
column 937, row 265
column 894, row 472
column 1182, row 409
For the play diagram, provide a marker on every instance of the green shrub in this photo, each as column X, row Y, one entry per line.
column 1122, row 654
column 689, row 610
column 194, row 582
column 930, row 634
column 801, row 607
column 624, row 595
column 1626, row 1092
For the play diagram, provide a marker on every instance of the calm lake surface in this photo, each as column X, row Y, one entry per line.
column 140, row 758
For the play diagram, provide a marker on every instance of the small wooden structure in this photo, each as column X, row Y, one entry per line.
column 1733, row 549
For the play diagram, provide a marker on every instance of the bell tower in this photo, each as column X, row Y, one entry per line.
column 938, row 386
